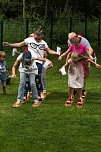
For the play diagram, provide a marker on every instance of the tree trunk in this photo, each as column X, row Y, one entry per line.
column 46, row 8
column 24, row 14
column 99, row 9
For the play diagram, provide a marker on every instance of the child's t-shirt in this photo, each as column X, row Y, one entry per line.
column 80, row 49
column 3, row 66
column 32, row 68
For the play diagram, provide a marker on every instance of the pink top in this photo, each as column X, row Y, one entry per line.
column 80, row 49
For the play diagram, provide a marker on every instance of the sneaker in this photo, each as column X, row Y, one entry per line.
column 25, row 98
column 18, row 103
column 44, row 91
column 39, row 98
column 36, row 104
column 83, row 93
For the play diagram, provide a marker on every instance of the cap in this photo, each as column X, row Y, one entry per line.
column 27, row 56
column 79, row 35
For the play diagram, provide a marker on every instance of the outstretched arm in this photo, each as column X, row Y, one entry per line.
column 64, row 54
column 97, row 65
column 14, row 44
column 51, row 51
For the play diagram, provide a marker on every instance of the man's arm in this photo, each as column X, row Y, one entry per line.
column 14, row 44
column 51, row 51
column 64, row 54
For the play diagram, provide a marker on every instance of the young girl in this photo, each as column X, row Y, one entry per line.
column 76, row 76
column 27, row 66
column 77, row 46
column 3, row 70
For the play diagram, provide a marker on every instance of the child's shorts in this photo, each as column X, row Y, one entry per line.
column 3, row 77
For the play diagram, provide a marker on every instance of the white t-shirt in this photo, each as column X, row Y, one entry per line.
column 36, row 48
column 28, row 68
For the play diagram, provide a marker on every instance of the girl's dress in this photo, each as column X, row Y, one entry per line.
column 75, row 75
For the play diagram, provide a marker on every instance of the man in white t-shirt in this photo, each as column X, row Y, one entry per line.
column 37, row 46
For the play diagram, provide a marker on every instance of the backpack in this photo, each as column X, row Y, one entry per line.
column 26, row 57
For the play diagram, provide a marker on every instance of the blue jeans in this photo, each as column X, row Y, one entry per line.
column 22, row 86
column 27, row 85
column 43, row 78
column 38, row 78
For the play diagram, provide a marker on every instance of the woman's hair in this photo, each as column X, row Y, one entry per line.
column 71, row 35
column 2, row 54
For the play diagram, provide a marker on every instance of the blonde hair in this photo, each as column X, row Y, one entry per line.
column 38, row 32
column 75, row 56
column 2, row 54
column 71, row 35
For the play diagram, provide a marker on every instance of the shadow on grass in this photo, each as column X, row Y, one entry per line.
column 57, row 97
column 93, row 97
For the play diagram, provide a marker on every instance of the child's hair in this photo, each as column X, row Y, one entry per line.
column 75, row 56
column 2, row 54
column 26, row 56
column 76, row 40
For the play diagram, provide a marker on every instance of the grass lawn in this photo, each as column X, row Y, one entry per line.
column 52, row 127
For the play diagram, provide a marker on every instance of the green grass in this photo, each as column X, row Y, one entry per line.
column 51, row 126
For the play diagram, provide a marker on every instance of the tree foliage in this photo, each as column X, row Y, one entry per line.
column 43, row 8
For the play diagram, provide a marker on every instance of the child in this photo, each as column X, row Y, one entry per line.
column 76, row 77
column 76, row 46
column 3, row 70
column 27, row 65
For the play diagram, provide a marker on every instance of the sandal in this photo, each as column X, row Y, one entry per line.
column 80, row 103
column 18, row 104
column 68, row 103
column 36, row 104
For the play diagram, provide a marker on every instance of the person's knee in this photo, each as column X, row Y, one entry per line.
column 32, row 85
column 22, row 83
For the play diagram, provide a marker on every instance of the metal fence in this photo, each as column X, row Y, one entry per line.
column 56, row 30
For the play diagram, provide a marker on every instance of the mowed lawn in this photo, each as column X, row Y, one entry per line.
column 52, row 127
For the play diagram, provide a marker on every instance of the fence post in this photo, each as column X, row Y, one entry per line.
column 70, row 24
column 1, row 35
column 51, row 32
column 27, row 26
column 99, row 24
column 86, row 26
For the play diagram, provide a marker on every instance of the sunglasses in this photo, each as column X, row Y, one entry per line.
column 38, row 39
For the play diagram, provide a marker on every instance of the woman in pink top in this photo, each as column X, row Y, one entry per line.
column 76, row 46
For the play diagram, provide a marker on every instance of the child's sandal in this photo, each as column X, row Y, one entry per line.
column 80, row 103
column 68, row 103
